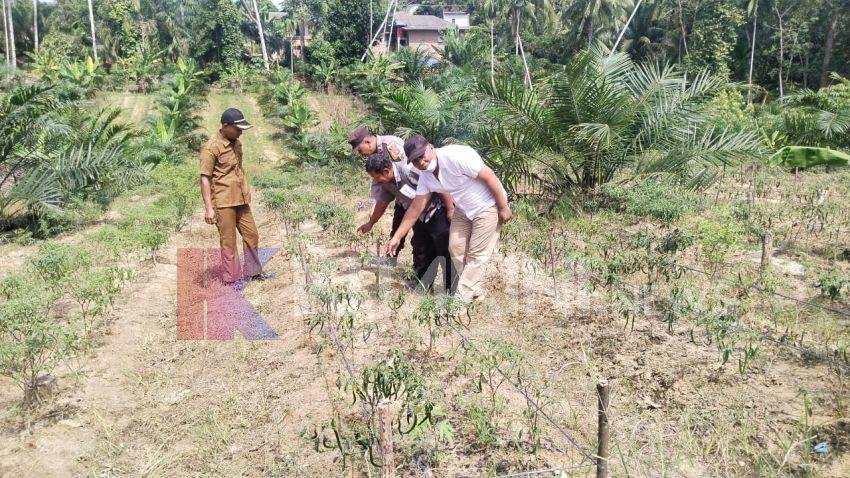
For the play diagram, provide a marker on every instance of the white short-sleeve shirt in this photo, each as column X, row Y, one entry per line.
column 458, row 168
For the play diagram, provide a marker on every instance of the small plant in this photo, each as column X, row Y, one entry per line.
column 31, row 343
column 833, row 286
column 152, row 237
column 438, row 314
column 391, row 379
column 55, row 262
column 395, row 302
column 716, row 240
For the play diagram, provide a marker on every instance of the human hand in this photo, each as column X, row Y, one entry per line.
column 450, row 212
column 365, row 228
column 505, row 214
column 392, row 246
column 210, row 216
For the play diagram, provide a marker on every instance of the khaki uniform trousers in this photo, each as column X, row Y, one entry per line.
column 471, row 244
column 231, row 219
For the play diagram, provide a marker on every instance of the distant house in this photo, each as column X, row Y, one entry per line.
column 417, row 31
column 458, row 19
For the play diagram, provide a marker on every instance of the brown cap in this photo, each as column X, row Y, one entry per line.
column 358, row 135
column 415, row 147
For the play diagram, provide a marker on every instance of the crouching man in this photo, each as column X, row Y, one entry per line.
column 364, row 143
column 398, row 181
column 481, row 207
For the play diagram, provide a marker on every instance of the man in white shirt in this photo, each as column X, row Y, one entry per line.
column 481, row 207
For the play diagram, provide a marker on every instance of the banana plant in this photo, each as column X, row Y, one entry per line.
column 85, row 74
column 804, row 157
column 46, row 64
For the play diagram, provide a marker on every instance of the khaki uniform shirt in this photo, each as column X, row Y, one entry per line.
column 403, row 190
column 221, row 160
column 392, row 145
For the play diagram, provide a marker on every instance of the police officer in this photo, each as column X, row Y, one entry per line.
column 364, row 143
column 227, row 197
column 397, row 181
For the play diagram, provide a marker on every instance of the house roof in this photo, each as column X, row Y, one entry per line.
column 421, row 22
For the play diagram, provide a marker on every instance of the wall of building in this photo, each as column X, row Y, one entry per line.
column 423, row 38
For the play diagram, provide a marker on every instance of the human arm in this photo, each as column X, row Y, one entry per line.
column 488, row 177
column 449, row 204
column 378, row 211
column 410, row 217
column 206, row 193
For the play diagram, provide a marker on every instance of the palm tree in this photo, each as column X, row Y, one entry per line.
column 93, row 36
column 442, row 117
column 541, row 12
column 601, row 114
column 598, row 16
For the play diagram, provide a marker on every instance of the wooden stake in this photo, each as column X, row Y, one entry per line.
column 602, row 431
column 766, row 250
column 385, row 435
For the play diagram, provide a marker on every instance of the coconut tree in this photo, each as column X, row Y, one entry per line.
column 541, row 12
column 261, row 34
column 598, row 16
column 602, row 114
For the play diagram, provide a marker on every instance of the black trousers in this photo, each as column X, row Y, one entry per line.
column 431, row 248
column 398, row 216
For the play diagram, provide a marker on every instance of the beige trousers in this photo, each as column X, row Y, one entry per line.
column 231, row 219
column 471, row 244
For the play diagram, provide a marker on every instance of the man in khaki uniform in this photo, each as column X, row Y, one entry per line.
column 227, row 197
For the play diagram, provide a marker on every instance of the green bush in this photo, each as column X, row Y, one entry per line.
column 56, row 262
column 31, row 343
column 716, row 240
column 651, row 198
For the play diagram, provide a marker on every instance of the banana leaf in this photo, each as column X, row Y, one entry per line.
column 803, row 157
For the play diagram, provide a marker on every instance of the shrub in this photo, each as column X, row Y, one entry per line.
column 652, row 198
column 30, row 342
column 716, row 240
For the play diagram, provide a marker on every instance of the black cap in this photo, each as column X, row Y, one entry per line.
column 358, row 135
column 415, row 147
column 235, row 117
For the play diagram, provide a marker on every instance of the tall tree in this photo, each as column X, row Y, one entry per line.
column 597, row 16
column 348, row 29
column 13, row 53
column 6, row 33
column 829, row 43
column 93, row 36
column 262, row 35
column 35, row 22
column 753, row 10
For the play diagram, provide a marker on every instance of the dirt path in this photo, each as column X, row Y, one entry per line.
column 147, row 404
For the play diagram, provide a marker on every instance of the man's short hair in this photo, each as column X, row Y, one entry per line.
column 378, row 162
